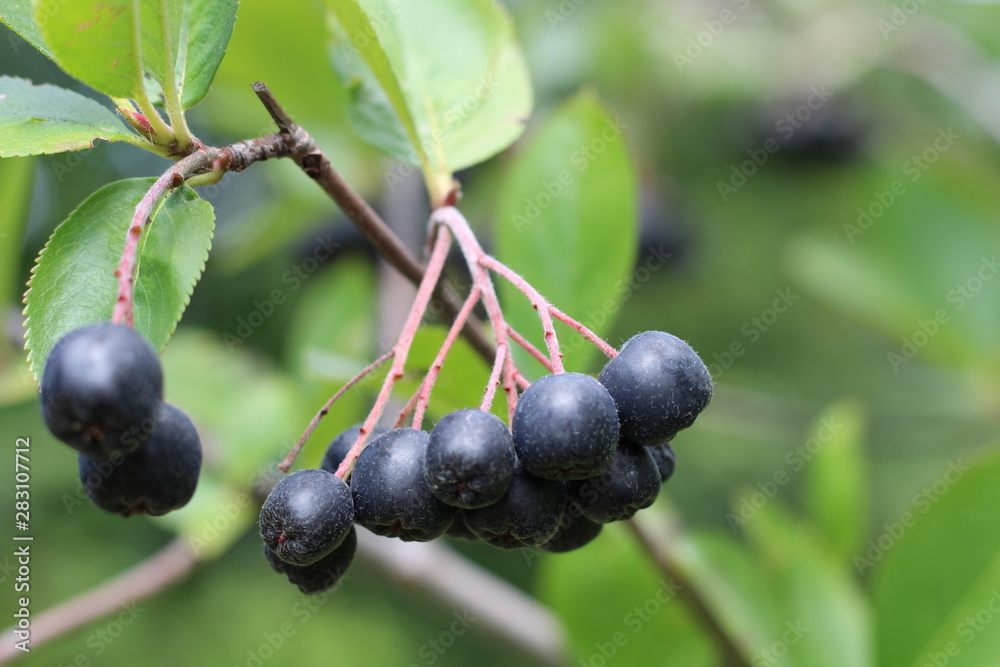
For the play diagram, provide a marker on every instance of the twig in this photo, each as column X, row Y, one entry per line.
column 427, row 386
column 317, row 166
column 287, row 463
column 401, row 349
column 515, row 617
column 167, row 566
column 696, row 603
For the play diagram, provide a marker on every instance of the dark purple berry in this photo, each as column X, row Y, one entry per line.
column 470, row 459
column 665, row 460
column 391, row 496
column 575, row 531
column 324, row 573
column 342, row 444
column 155, row 479
column 101, row 389
column 528, row 515
column 659, row 384
column 565, row 427
column 306, row 516
column 630, row 483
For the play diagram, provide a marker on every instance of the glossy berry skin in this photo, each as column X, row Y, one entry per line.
column 391, row 496
column 101, row 389
column 155, row 479
column 528, row 515
column 565, row 427
column 659, row 384
column 665, row 460
column 306, row 516
column 575, row 531
column 630, row 483
column 324, row 573
column 342, row 444
column 470, row 459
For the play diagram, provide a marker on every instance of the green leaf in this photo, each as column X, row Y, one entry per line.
column 184, row 42
column 246, row 433
column 207, row 27
column 36, row 120
column 74, row 282
column 19, row 16
column 936, row 576
column 98, row 43
column 16, row 180
column 456, row 101
column 462, row 380
column 822, row 615
column 618, row 609
column 836, row 491
column 567, row 222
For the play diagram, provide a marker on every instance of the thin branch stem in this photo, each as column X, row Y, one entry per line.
column 491, row 385
column 287, row 463
column 172, row 178
column 529, row 348
column 317, row 166
column 427, row 386
column 582, row 329
column 539, row 303
column 451, row 218
column 401, row 349
column 168, row 566
column 734, row 655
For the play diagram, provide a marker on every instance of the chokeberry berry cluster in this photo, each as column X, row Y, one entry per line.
column 582, row 452
column 102, row 394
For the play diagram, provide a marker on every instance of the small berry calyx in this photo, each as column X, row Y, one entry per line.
column 659, row 385
column 565, row 427
column 470, row 459
column 306, row 516
column 155, row 479
column 101, row 389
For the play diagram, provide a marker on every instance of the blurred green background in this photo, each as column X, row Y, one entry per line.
column 821, row 176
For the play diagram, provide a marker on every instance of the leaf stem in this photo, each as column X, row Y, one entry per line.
column 172, row 178
column 317, row 166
